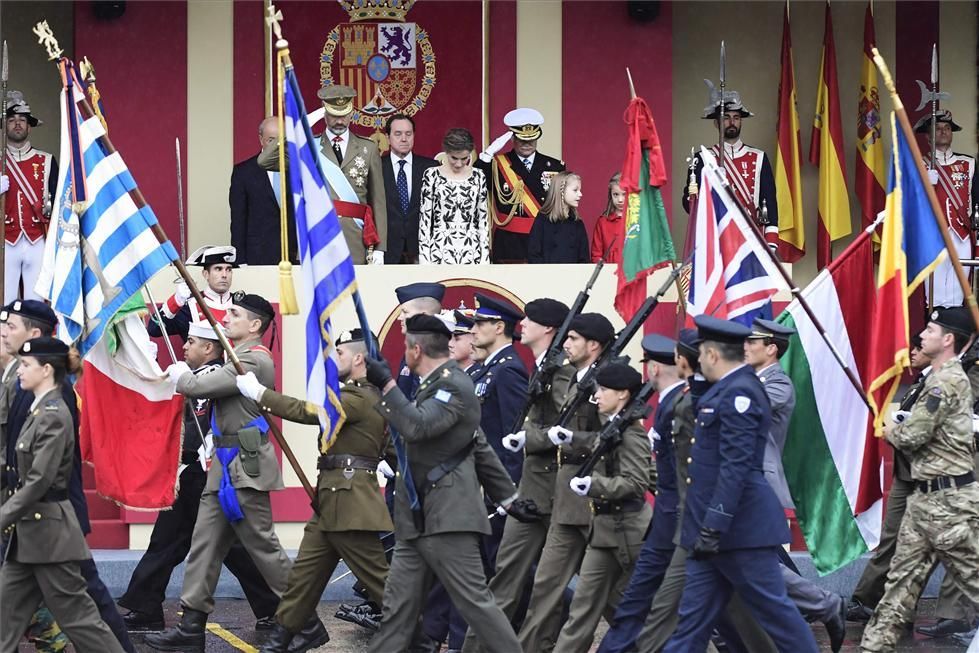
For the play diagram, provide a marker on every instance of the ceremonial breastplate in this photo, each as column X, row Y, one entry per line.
column 954, row 194
column 24, row 202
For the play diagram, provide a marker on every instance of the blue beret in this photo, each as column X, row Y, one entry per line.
column 32, row 309
column 593, row 326
column 770, row 329
column 489, row 308
column 415, row 290
column 718, row 330
column 659, row 348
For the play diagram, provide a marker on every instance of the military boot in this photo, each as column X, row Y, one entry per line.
column 188, row 635
column 313, row 635
column 278, row 641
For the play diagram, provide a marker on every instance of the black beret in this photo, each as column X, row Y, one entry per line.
column 546, row 312
column 955, row 318
column 659, row 348
column 422, row 323
column 770, row 329
column 689, row 343
column 618, row 376
column 353, row 335
column 254, row 303
column 593, row 326
column 415, row 290
column 44, row 347
column 718, row 330
column 32, row 309
column 490, row 309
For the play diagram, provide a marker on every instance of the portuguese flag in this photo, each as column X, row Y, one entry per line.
column 831, row 455
column 647, row 229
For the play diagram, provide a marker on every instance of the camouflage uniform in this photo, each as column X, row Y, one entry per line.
column 940, row 523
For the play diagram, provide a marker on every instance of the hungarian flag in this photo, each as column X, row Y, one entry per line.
column 829, row 440
column 911, row 247
column 788, row 158
column 869, row 175
column 648, row 243
column 826, row 151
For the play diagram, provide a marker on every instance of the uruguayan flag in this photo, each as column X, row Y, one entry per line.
column 100, row 249
column 327, row 271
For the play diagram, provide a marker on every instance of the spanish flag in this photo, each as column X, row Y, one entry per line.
column 826, row 151
column 788, row 158
column 869, row 170
column 911, row 247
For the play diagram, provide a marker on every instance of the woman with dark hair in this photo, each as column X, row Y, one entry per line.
column 46, row 541
column 452, row 222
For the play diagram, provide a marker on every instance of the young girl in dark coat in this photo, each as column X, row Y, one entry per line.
column 558, row 234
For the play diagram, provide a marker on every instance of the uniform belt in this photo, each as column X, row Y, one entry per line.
column 945, row 482
column 229, row 441
column 615, row 507
column 573, row 459
column 546, row 453
column 54, row 496
column 340, row 461
column 188, row 458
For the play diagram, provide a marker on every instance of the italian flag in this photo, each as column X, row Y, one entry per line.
column 131, row 419
column 831, row 458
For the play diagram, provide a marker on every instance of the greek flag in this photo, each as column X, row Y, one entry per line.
column 100, row 248
column 327, row 271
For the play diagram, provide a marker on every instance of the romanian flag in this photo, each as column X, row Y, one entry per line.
column 826, row 151
column 870, row 147
column 648, row 243
column 788, row 159
column 911, row 247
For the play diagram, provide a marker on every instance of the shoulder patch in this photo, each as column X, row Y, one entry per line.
column 934, row 400
column 741, row 403
column 443, row 395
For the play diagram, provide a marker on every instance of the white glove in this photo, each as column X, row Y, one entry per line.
column 580, row 485
column 377, row 258
column 933, row 177
column 497, row 145
column 653, row 437
column 385, row 469
column 249, row 386
column 177, row 370
column 152, row 349
column 900, row 415
column 4, row 184
column 515, row 441
column 975, row 423
column 182, row 294
column 559, row 435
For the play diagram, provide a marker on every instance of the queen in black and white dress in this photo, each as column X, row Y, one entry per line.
column 452, row 223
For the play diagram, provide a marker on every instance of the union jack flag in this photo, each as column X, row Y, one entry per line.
column 733, row 277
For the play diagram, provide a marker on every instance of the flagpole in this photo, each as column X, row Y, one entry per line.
column 798, row 296
column 902, row 116
column 4, row 75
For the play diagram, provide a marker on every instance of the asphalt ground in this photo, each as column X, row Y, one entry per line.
column 233, row 631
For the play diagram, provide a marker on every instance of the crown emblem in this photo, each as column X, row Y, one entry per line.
column 376, row 9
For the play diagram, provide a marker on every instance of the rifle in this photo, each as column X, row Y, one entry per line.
column 541, row 380
column 586, row 386
column 610, row 436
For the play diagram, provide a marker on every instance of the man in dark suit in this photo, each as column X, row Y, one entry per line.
column 518, row 182
column 403, row 170
column 254, row 197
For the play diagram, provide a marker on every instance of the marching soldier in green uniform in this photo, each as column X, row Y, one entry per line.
column 235, row 503
column 942, row 514
column 567, row 536
column 46, row 539
column 620, row 514
column 351, row 508
column 441, row 540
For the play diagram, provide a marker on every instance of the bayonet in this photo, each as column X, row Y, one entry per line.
column 181, row 225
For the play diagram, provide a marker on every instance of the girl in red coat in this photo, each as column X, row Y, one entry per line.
column 609, row 234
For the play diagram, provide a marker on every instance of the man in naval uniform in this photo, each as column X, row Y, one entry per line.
column 217, row 263
column 519, row 180
column 32, row 177
column 953, row 177
column 747, row 168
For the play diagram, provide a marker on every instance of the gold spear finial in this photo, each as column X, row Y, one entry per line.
column 273, row 19
column 46, row 38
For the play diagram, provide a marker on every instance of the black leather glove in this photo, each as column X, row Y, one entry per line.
column 708, row 544
column 378, row 373
column 525, row 510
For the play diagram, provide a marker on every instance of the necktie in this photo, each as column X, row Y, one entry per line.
column 402, row 184
column 527, row 164
column 336, row 148
column 277, row 188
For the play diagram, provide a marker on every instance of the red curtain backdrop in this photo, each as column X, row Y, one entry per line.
column 599, row 40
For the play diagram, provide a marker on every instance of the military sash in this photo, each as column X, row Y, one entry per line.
column 518, row 197
column 957, row 221
column 738, row 184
